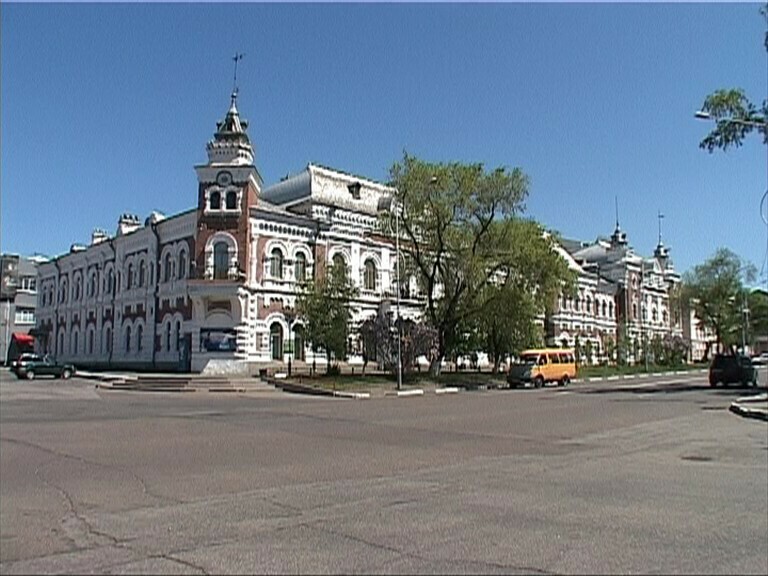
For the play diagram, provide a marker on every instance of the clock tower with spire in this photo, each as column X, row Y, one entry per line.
column 228, row 187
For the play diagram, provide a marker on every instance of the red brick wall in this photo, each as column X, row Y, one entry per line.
column 236, row 225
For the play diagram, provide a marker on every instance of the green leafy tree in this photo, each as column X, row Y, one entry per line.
column 462, row 231
column 675, row 350
column 623, row 345
column 506, row 325
column 323, row 304
column 735, row 115
column 609, row 346
column 757, row 303
column 715, row 290
column 588, row 352
column 380, row 340
column 735, row 118
column 578, row 350
column 657, row 350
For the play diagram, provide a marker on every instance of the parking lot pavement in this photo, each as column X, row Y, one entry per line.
column 547, row 481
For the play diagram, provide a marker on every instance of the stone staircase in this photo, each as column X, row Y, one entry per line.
column 191, row 383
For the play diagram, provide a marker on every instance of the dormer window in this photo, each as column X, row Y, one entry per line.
column 215, row 201
column 354, row 190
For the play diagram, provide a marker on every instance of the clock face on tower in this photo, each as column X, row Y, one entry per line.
column 224, row 178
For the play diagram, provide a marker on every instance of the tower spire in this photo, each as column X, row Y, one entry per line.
column 619, row 238
column 660, row 217
column 230, row 144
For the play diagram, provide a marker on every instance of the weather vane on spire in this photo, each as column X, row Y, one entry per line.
column 660, row 216
column 237, row 57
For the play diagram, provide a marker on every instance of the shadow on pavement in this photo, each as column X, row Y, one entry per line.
column 737, row 391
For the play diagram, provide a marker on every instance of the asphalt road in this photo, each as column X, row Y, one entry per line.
column 648, row 477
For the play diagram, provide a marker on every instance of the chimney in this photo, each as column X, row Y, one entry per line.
column 127, row 224
column 98, row 236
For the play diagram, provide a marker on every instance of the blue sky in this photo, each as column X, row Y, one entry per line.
column 106, row 108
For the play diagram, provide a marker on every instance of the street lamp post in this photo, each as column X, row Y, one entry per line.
column 745, row 322
column 290, row 316
column 388, row 205
column 399, row 319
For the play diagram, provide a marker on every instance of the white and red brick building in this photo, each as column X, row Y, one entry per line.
column 214, row 288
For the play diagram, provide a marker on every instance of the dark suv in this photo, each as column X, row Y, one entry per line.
column 732, row 369
column 31, row 365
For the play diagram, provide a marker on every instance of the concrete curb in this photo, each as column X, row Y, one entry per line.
column 447, row 390
column 105, row 377
column 741, row 407
column 406, row 393
column 354, row 395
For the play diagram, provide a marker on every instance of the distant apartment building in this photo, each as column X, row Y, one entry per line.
column 18, row 302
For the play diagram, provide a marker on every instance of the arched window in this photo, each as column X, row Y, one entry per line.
column 129, row 284
column 276, row 341
column 139, row 337
column 142, row 273
column 300, row 267
column 167, row 267
column 108, row 340
column 339, row 265
column 111, row 282
column 182, row 265
column 610, row 309
column 369, row 280
column 276, row 263
column 168, row 337
column 604, row 309
column 231, row 200
column 220, row 260
column 215, row 201
column 61, row 343
column 655, row 315
column 298, row 343
column 74, row 343
column 589, row 305
column 127, row 339
column 90, row 341
column 178, row 335
column 634, row 311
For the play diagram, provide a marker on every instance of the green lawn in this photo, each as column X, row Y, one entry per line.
column 382, row 381
column 598, row 371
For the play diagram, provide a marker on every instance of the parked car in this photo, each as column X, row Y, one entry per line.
column 539, row 366
column 760, row 359
column 33, row 366
column 25, row 358
column 732, row 369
